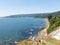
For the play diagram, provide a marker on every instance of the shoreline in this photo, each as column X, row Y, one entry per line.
column 43, row 33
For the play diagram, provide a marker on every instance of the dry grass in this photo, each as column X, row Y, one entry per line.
column 50, row 41
column 53, row 41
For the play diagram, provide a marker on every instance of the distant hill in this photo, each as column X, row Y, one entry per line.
column 43, row 15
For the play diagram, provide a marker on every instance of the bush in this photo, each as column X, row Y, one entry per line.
column 54, row 23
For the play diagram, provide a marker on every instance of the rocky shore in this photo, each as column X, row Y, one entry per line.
column 38, row 38
column 43, row 33
column 42, row 38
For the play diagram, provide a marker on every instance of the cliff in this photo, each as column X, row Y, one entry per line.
column 48, row 36
column 38, row 39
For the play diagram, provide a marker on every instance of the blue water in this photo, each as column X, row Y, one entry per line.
column 20, row 28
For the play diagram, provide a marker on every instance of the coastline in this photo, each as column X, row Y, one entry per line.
column 41, row 38
column 43, row 33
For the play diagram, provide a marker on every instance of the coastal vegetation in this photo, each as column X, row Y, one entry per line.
column 54, row 23
column 37, row 15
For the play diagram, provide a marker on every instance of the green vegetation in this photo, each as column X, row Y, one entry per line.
column 54, row 23
column 37, row 15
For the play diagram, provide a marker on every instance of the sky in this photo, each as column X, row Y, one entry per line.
column 12, row 7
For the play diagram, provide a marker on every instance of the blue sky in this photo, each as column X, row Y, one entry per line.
column 11, row 7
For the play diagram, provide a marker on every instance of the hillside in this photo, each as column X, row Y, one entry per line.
column 54, row 23
column 40, row 15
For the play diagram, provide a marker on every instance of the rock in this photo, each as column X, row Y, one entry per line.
column 43, row 42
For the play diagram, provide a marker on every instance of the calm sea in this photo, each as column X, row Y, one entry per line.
column 20, row 28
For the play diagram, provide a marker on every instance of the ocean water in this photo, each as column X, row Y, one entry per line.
column 20, row 28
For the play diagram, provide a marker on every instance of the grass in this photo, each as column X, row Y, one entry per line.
column 53, row 41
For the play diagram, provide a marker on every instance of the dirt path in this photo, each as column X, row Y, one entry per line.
column 55, row 34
